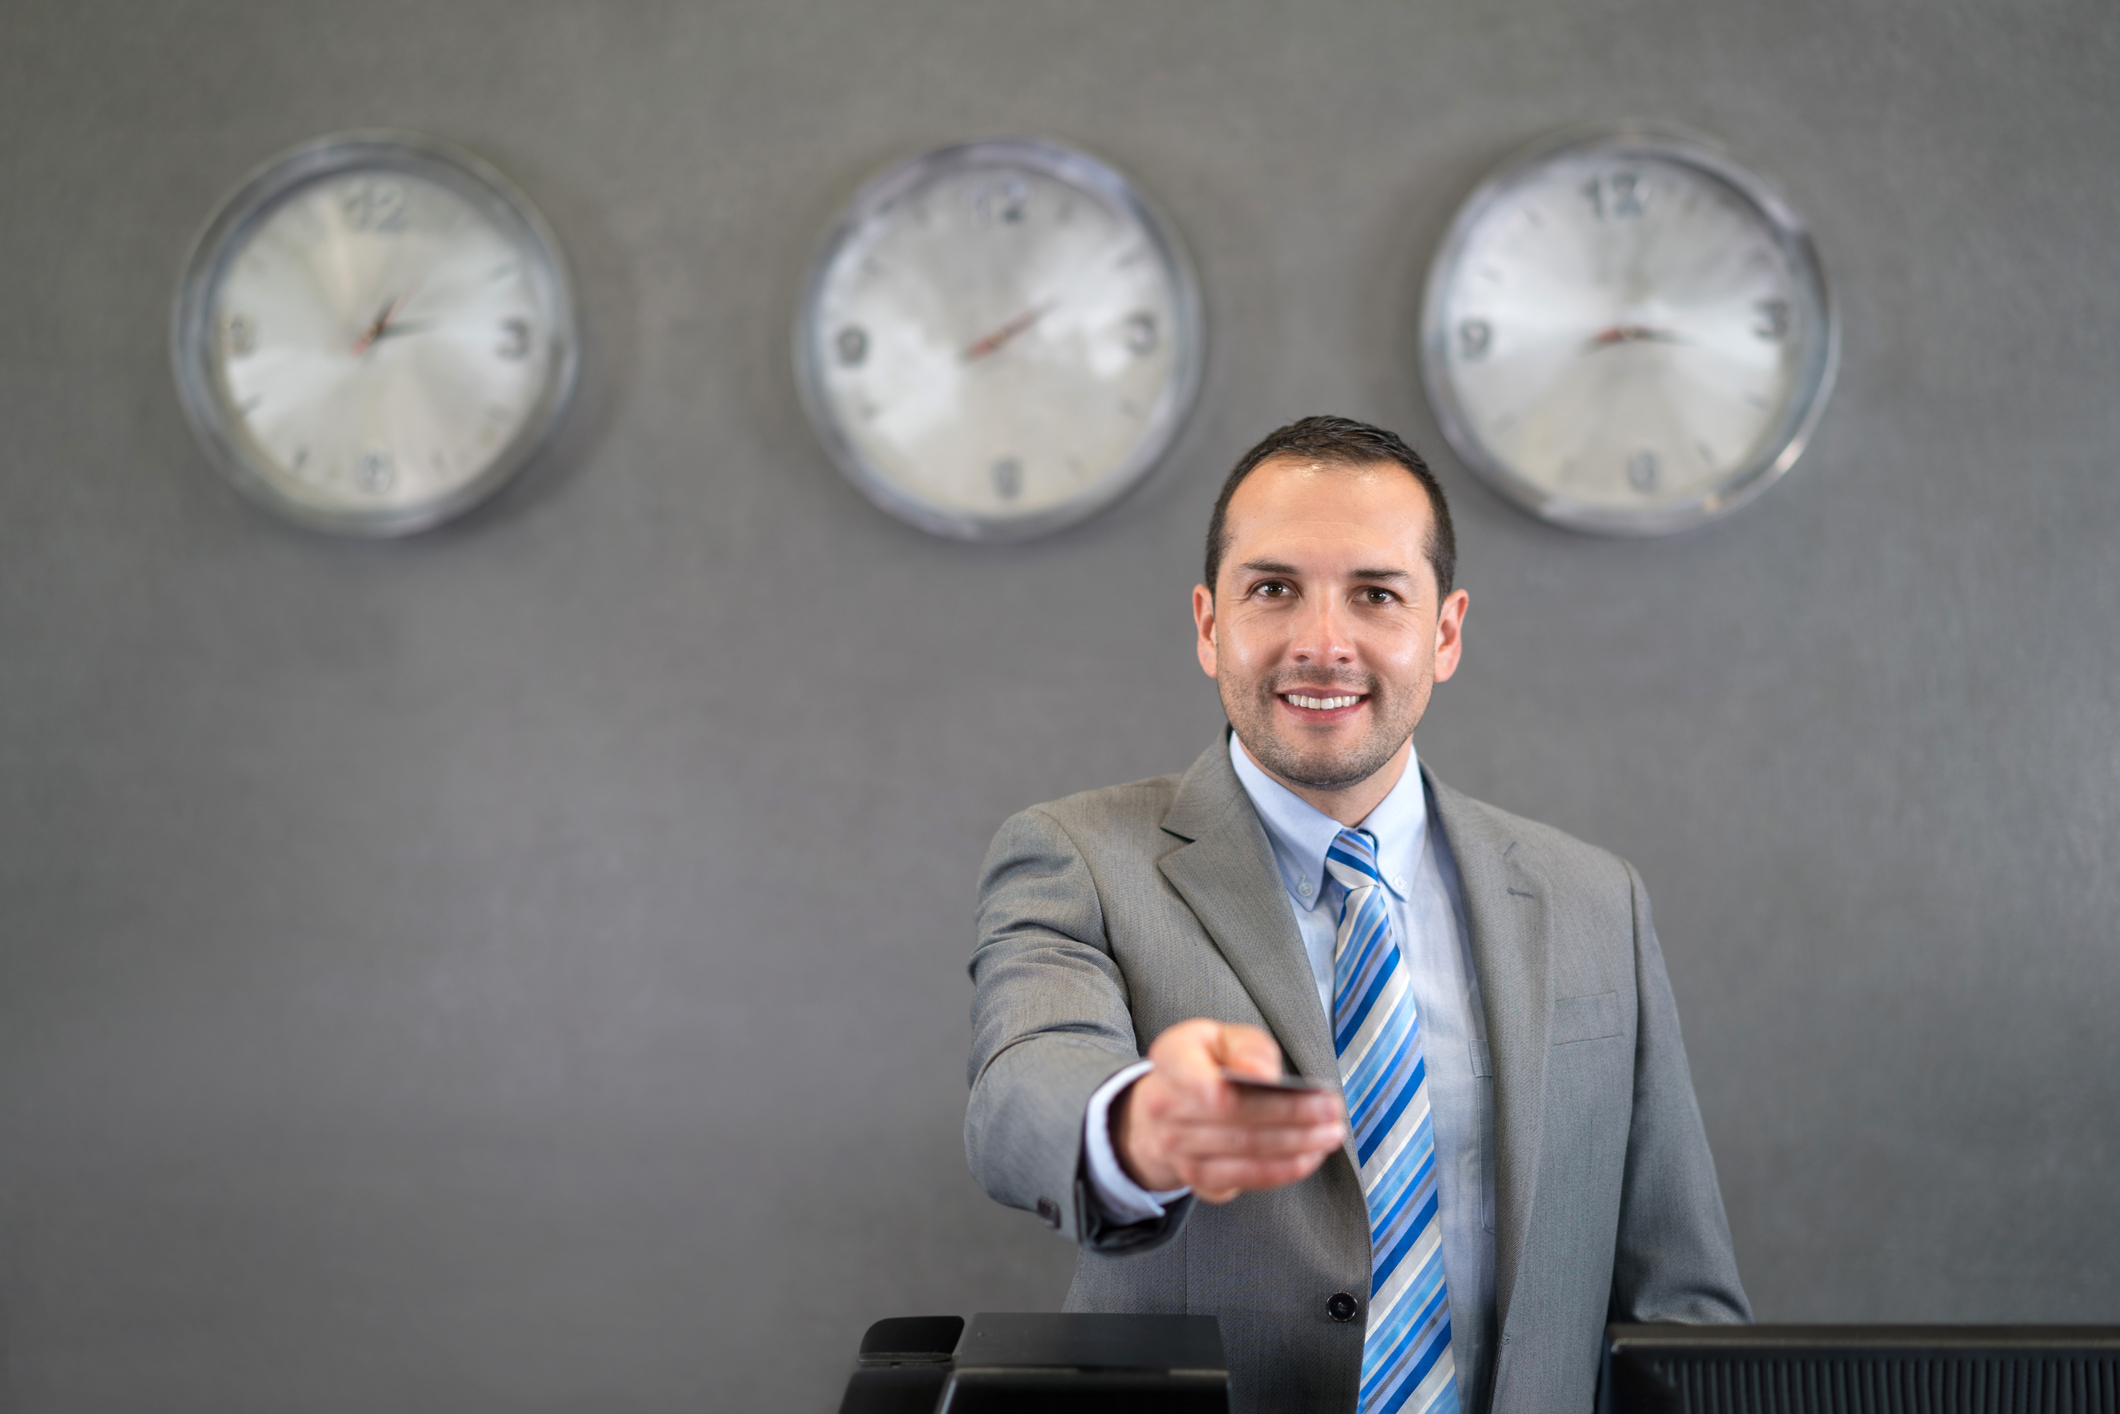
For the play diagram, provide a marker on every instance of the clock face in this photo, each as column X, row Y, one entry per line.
column 1628, row 333
column 374, row 333
column 998, row 339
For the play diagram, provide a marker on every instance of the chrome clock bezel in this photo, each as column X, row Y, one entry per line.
column 1174, row 402
column 224, row 237
column 1775, row 453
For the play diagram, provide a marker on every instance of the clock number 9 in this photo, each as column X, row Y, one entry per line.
column 1615, row 196
column 1474, row 335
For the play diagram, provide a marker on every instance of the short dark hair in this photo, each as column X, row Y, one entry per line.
column 1339, row 441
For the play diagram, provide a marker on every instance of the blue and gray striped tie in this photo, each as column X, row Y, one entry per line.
column 1376, row 1031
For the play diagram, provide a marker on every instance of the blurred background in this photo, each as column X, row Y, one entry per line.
column 522, row 966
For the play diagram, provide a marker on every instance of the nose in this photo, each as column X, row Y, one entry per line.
column 1322, row 638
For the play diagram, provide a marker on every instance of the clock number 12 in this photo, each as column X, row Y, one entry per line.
column 1615, row 196
column 376, row 206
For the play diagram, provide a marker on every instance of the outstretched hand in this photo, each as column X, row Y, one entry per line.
column 1184, row 1125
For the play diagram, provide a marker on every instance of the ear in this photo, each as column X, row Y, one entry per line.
column 1450, row 634
column 1204, row 622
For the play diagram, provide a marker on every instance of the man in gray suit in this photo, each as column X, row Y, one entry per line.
column 1501, row 1151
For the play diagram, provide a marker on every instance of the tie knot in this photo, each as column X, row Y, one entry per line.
column 1352, row 859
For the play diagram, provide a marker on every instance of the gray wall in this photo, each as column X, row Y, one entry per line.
column 521, row 967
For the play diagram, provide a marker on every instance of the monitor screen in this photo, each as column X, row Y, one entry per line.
column 1665, row 1369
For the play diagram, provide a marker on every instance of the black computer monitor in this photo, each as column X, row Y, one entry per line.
column 1043, row 1362
column 1861, row 1370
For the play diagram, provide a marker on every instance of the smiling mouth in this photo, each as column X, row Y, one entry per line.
column 1319, row 703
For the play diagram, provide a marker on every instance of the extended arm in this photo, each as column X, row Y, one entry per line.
column 1053, row 1037
column 1050, row 1024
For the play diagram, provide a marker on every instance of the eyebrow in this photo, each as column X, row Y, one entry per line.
column 1277, row 567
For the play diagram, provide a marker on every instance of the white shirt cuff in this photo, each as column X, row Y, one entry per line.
column 1124, row 1200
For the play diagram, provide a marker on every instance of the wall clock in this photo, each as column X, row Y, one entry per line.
column 1627, row 332
column 998, row 339
column 374, row 333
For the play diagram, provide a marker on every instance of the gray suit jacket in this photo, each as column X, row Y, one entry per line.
column 1108, row 916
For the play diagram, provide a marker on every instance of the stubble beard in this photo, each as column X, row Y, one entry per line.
column 1255, row 715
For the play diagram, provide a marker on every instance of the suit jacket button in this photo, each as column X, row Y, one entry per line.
column 1342, row 1307
column 1050, row 1211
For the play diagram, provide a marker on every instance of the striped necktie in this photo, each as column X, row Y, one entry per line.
column 1376, row 1032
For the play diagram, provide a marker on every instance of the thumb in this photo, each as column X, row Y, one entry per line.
column 1248, row 1051
column 1189, row 1058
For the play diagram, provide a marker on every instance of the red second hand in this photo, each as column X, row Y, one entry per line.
column 1006, row 332
column 382, row 322
column 1630, row 333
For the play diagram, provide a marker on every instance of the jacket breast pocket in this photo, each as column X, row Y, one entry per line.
column 1586, row 1018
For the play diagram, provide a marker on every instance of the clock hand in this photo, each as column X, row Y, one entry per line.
column 1629, row 334
column 412, row 326
column 382, row 321
column 1007, row 331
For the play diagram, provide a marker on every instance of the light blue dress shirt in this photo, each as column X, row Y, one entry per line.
column 1428, row 917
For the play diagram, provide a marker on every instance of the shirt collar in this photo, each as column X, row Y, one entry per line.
column 1300, row 833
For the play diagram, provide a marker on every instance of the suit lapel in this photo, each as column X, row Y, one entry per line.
column 1226, row 876
column 1507, row 922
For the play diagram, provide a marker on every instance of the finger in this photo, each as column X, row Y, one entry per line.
column 1256, row 1173
column 1241, row 1136
column 1232, row 1176
column 1189, row 1060
column 1247, row 1050
column 1269, row 1110
column 1288, row 1107
column 1235, row 1141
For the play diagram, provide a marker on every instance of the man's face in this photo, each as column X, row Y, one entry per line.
column 1324, row 631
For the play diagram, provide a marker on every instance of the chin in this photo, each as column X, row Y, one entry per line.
column 1326, row 770
column 1339, row 779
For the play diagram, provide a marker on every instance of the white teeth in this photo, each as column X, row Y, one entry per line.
column 1321, row 704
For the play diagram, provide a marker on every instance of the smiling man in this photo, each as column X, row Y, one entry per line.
column 1476, row 1139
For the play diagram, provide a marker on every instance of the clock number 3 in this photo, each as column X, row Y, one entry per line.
column 1616, row 196
column 515, row 340
column 1773, row 324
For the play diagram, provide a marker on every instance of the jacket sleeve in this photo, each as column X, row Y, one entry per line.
column 1049, row 1025
column 1673, row 1260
